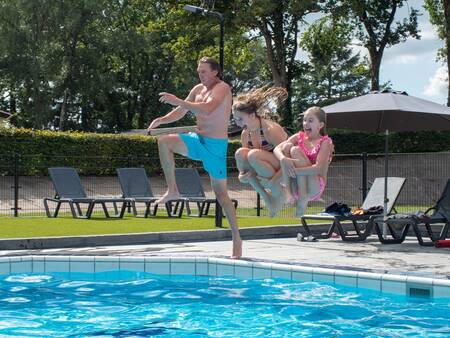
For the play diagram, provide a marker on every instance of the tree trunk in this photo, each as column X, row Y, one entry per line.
column 287, row 118
column 62, row 113
column 375, row 62
column 142, row 113
column 272, row 59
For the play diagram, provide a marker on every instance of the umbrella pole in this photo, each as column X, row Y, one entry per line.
column 386, row 173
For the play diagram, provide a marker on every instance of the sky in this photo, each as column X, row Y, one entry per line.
column 411, row 66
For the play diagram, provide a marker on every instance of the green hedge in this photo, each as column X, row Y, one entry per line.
column 100, row 154
column 90, row 153
column 405, row 142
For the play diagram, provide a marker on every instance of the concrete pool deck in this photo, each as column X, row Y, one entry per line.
column 406, row 258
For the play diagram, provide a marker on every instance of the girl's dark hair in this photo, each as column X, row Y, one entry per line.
column 263, row 102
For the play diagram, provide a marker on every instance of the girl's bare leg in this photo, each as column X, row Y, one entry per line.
column 285, row 178
column 308, row 185
column 245, row 170
column 286, row 183
column 265, row 164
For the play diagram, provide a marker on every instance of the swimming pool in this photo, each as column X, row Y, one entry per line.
column 183, row 296
column 139, row 304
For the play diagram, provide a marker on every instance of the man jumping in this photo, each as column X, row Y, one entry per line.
column 210, row 101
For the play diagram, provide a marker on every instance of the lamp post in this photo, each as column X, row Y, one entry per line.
column 200, row 10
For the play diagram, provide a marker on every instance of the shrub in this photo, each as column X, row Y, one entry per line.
column 101, row 154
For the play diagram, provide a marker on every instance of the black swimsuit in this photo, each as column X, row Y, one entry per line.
column 265, row 145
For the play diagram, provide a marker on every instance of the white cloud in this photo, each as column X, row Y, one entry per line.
column 412, row 51
column 407, row 59
column 427, row 30
column 437, row 85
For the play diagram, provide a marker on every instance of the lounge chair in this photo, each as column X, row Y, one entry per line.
column 437, row 215
column 136, row 187
column 190, row 187
column 69, row 189
column 362, row 224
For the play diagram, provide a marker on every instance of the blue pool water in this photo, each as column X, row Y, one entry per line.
column 144, row 305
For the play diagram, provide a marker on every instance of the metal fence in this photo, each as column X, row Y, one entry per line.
column 349, row 178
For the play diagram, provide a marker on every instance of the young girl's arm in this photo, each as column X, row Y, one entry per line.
column 244, row 138
column 280, row 150
column 283, row 153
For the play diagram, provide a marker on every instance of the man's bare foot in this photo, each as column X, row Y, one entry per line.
column 237, row 249
column 244, row 176
column 300, row 208
column 168, row 197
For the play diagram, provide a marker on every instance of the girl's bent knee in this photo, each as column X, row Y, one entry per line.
column 241, row 154
column 254, row 155
column 286, row 148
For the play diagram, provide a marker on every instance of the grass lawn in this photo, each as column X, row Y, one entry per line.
column 65, row 225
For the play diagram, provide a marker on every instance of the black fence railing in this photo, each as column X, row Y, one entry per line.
column 349, row 178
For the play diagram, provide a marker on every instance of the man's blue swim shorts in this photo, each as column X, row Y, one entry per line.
column 211, row 151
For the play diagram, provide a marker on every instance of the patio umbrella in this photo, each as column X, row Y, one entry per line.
column 387, row 111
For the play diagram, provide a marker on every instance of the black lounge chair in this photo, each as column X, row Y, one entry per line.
column 190, row 187
column 69, row 189
column 398, row 225
column 362, row 224
column 136, row 187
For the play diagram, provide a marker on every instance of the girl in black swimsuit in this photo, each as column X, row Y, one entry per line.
column 256, row 162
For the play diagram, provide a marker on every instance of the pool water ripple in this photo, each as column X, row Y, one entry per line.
column 143, row 305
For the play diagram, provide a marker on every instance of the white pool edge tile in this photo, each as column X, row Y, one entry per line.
column 218, row 267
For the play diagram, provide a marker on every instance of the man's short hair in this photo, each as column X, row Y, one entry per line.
column 212, row 63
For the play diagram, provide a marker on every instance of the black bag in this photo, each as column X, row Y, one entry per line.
column 374, row 210
column 338, row 208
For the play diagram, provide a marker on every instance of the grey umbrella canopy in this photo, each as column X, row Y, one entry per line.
column 386, row 111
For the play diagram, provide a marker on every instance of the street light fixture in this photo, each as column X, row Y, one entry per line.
column 194, row 9
column 200, row 10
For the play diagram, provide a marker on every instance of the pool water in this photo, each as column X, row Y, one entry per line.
column 143, row 305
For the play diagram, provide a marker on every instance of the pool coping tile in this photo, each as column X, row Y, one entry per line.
column 222, row 267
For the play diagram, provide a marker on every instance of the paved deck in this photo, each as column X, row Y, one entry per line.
column 405, row 258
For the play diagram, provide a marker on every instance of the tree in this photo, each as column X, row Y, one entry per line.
column 26, row 61
column 440, row 17
column 333, row 72
column 377, row 28
column 99, row 65
column 75, row 17
column 277, row 22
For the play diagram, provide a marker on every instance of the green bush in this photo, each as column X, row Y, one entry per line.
column 93, row 154
column 405, row 142
column 101, row 154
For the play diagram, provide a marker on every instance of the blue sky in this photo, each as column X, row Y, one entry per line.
column 411, row 66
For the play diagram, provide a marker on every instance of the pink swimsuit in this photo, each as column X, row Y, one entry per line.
column 312, row 154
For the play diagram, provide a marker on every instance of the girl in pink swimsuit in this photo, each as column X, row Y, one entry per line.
column 304, row 160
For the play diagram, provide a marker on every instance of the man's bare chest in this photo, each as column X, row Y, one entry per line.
column 203, row 96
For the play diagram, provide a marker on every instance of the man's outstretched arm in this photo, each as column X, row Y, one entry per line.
column 174, row 115
column 216, row 98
